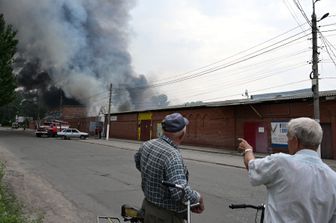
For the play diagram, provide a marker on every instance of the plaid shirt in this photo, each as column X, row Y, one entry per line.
column 158, row 160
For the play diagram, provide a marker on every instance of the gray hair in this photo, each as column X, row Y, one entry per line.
column 307, row 131
column 176, row 134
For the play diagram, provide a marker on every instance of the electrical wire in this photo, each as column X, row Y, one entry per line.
column 268, row 88
column 298, row 5
column 329, row 48
column 245, row 58
column 293, row 14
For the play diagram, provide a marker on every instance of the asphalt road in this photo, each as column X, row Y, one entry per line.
column 74, row 181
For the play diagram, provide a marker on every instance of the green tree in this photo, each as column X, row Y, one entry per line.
column 8, row 44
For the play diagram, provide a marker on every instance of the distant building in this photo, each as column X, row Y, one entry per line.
column 74, row 111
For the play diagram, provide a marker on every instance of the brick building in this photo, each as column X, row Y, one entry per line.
column 73, row 111
column 261, row 119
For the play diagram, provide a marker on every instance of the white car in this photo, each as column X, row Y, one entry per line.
column 72, row 133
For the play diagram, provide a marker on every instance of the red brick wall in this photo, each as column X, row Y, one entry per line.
column 221, row 126
column 284, row 111
column 82, row 124
column 207, row 127
column 124, row 127
column 69, row 112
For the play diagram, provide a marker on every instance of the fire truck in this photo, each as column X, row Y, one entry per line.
column 50, row 128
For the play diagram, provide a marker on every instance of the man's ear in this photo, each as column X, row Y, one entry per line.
column 182, row 136
column 296, row 143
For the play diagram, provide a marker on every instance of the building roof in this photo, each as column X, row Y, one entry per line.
column 278, row 96
column 254, row 99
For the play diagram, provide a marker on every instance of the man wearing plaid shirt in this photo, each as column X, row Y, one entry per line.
column 160, row 160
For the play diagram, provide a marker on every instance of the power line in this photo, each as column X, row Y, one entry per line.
column 329, row 51
column 293, row 14
column 298, row 5
column 232, row 63
column 272, row 87
column 233, row 83
column 234, row 55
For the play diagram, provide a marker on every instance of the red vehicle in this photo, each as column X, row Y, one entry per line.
column 50, row 128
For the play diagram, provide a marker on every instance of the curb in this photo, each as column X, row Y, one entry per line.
column 330, row 163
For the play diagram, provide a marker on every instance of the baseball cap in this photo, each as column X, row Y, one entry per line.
column 174, row 122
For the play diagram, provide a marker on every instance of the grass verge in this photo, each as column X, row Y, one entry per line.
column 10, row 208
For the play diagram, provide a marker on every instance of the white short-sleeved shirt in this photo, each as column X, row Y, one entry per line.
column 300, row 187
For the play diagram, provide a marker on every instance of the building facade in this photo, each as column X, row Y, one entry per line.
column 262, row 121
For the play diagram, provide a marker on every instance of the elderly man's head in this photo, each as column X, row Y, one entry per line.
column 174, row 126
column 303, row 133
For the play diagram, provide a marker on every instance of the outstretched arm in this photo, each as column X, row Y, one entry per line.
column 247, row 150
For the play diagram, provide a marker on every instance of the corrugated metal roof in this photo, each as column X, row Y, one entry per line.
column 278, row 96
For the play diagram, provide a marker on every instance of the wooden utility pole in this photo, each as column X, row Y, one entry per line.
column 314, row 78
column 109, row 114
column 61, row 105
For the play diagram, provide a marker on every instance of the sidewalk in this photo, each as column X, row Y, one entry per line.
column 196, row 153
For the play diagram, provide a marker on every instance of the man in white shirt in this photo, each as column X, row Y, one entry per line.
column 300, row 187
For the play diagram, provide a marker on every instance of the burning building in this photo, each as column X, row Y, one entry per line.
column 78, row 48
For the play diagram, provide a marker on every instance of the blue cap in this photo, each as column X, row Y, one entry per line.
column 174, row 122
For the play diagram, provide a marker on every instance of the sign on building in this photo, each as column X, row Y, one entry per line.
column 279, row 134
column 159, row 131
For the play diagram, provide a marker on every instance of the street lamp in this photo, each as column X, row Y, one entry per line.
column 314, row 74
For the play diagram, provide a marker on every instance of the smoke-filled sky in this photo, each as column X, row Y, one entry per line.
column 207, row 50
column 188, row 50
column 79, row 46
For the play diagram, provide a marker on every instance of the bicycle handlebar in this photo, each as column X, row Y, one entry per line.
column 172, row 185
column 236, row 206
column 177, row 186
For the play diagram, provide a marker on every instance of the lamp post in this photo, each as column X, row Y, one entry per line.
column 314, row 78
column 109, row 114
column 314, row 75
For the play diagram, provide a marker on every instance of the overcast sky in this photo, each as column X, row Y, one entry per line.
column 172, row 39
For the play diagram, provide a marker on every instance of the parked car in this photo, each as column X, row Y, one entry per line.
column 42, row 131
column 15, row 125
column 72, row 133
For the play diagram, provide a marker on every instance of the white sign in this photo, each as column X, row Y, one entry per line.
column 279, row 134
column 159, row 132
column 114, row 118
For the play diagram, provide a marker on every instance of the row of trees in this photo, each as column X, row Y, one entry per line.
column 8, row 44
column 8, row 99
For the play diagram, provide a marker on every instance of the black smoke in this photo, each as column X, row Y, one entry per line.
column 38, row 84
column 78, row 48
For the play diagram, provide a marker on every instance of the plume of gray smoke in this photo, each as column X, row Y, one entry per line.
column 83, row 46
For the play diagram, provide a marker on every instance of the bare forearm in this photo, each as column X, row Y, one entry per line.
column 247, row 151
column 248, row 157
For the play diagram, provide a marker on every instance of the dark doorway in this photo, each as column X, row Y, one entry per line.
column 145, row 127
column 257, row 134
column 250, row 133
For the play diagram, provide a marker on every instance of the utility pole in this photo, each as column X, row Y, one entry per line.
column 109, row 114
column 314, row 78
column 61, row 104
column 38, row 105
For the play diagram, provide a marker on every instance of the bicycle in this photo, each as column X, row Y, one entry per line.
column 257, row 207
column 187, row 204
column 129, row 214
column 135, row 215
